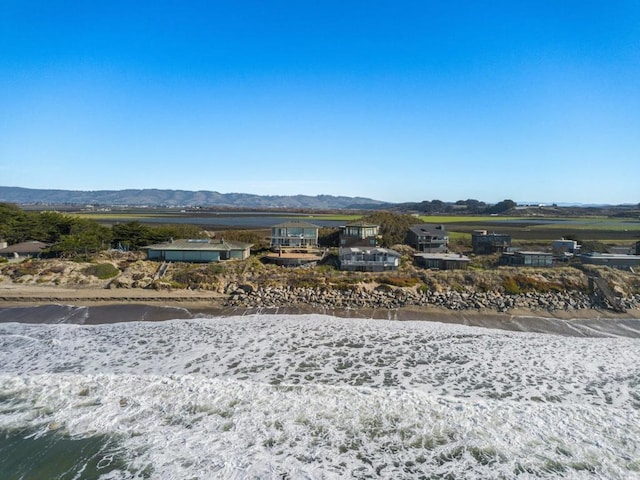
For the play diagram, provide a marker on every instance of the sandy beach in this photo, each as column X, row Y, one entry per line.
column 21, row 295
column 163, row 305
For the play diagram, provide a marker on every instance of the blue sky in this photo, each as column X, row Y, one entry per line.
column 397, row 101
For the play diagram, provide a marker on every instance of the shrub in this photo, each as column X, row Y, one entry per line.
column 510, row 286
column 189, row 276
column 102, row 271
column 345, row 286
column 523, row 283
column 398, row 281
column 215, row 268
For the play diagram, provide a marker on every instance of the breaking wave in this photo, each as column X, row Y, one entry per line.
column 310, row 396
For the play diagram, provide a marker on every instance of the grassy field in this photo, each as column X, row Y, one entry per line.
column 604, row 229
column 613, row 230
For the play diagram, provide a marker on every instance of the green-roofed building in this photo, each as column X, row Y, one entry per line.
column 198, row 250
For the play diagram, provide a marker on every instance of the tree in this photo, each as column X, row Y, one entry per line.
column 84, row 237
column 474, row 206
column 393, row 227
column 501, row 207
column 133, row 235
column 328, row 237
column 10, row 216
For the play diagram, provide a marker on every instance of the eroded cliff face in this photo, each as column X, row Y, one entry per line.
column 101, row 272
column 131, row 270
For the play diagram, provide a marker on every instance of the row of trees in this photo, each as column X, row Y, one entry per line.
column 70, row 235
column 469, row 206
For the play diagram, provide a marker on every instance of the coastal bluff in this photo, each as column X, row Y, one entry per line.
column 253, row 285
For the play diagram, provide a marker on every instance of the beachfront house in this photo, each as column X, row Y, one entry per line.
column 524, row 258
column 359, row 234
column 428, row 238
column 619, row 261
column 368, row 259
column 198, row 250
column 442, row 261
column 484, row 243
column 294, row 234
column 31, row 249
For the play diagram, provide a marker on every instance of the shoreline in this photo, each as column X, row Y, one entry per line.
column 162, row 305
column 13, row 295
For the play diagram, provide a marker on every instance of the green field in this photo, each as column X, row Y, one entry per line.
column 616, row 230
column 604, row 229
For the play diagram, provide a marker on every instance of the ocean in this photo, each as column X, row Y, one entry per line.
column 282, row 396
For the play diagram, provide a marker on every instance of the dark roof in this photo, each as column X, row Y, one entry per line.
column 443, row 256
column 25, row 247
column 200, row 244
column 529, row 252
column 430, row 228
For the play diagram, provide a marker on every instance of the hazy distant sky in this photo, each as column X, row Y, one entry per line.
column 397, row 101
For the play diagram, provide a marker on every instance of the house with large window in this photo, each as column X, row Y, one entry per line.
column 368, row 259
column 294, row 234
column 198, row 250
column 484, row 243
column 428, row 238
column 526, row 258
column 442, row 261
column 359, row 234
column 619, row 261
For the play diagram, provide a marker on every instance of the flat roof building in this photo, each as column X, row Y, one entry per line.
column 198, row 250
column 31, row 248
column 294, row 234
column 523, row 258
column 442, row 261
column 620, row 261
column 368, row 259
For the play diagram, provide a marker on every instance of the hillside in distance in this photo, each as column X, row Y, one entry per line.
column 180, row 198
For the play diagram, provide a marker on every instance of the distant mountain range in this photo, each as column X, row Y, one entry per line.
column 180, row 198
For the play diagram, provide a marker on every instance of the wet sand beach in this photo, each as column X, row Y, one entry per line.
column 46, row 304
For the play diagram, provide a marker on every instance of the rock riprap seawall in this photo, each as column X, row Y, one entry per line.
column 397, row 297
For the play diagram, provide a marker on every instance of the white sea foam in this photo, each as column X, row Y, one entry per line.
column 322, row 397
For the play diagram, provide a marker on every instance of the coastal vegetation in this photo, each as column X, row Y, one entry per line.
column 102, row 271
column 253, row 284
